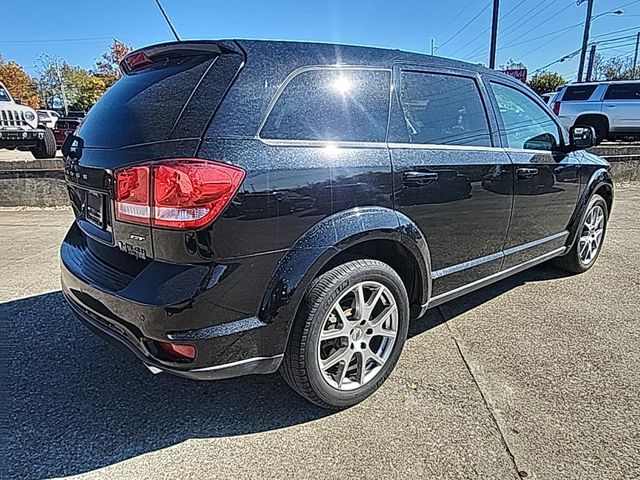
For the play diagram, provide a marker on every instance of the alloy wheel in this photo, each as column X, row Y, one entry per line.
column 358, row 335
column 591, row 236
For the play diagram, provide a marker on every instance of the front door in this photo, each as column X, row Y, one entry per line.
column 449, row 176
column 546, row 180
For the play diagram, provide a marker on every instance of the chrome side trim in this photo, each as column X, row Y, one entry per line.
column 329, row 145
column 535, row 243
column 457, row 292
column 434, row 146
column 465, row 265
column 224, row 366
column 222, row 330
column 496, row 256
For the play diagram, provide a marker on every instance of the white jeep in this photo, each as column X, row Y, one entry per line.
column 20, row 128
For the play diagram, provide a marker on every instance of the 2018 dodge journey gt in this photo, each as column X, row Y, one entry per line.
column 248, row 206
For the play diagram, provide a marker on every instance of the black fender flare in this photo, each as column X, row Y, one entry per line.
column 600, row 177
column 318, row 245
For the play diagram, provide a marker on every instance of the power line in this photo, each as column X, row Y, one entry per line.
column 462, row 10
column 470, row 42
column 534, row 27
column 543, row 36
column 524, row 17
column 466, row 24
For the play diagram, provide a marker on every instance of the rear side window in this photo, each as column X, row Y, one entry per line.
column 578, row 92
column 332, row 105
column 623, row 91
column 443, row 109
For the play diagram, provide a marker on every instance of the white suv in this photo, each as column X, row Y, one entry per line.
column 20, row 128
column 612, row 108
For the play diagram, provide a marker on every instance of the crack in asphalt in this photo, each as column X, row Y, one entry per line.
column 503, row 439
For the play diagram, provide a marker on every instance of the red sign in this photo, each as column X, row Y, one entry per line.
column 519, row 73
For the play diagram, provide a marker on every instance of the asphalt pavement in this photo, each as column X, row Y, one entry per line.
column 536, row 376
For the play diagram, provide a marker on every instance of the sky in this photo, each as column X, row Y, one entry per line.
column 536, row 32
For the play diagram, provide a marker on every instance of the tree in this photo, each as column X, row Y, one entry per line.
column 58, row 81
column 19, row 83
column 108, row 66
column 613, row 68
column 544, row 82
column 512, row 65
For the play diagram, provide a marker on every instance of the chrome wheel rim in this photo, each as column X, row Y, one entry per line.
column 591, row 236
column 357, row 336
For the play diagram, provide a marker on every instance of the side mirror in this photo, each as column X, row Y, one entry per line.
column 17, row 100
column 582, row 138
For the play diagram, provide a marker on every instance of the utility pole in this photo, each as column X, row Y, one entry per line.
column 585, row 37
column 592, row 57
column 433, row 46
column 494, row 34
column 635, row 57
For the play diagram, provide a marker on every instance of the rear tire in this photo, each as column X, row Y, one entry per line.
column 46, row 147
column 585, row 251
column 348, row 334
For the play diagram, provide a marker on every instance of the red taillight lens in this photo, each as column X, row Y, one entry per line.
column 556, row 108
column 187, row 194
column 178, row 350
column 137, row 60
column 190, row 194
column 132, row 195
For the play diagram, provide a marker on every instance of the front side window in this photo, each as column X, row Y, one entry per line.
column 332, row 105
column 623, row 91
column 443, row 110
column 526, row 125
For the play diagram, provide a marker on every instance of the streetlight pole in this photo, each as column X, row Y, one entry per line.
column 585, row 37
column 494, row 33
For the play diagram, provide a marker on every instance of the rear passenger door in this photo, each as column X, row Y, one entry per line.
column 546, row 179
column 621, row 104
column 450, row 176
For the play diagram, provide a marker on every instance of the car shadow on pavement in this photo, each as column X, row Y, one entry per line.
column 74, row 404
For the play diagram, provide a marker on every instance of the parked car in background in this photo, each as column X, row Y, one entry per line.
column 248, row 206
column 546, row 97
column 612, row 108
column 21, row 128
column 48, row 117
column 64, row 127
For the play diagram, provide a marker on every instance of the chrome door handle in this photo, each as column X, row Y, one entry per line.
column 525, row 173
column 417, row 178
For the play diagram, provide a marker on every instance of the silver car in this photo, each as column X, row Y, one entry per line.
column 612, row 108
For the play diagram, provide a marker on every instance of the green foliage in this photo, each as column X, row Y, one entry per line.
column 544, row 82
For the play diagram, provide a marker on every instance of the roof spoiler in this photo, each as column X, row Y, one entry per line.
column 170, row 50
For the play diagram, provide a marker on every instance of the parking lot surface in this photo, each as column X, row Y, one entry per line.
column 536, row 376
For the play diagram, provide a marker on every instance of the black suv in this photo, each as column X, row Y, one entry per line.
column 248, row 206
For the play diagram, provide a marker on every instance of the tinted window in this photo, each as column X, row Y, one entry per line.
column 526, row 124
column 623, row 91
column 4, row 96
column 578, row 92
column 337, row 105
column 443, row 109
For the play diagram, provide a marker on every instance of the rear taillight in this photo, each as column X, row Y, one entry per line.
column 180, row 194
column 556, row 108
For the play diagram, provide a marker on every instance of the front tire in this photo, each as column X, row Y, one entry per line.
column 348, row 334
column 587, row 246
column 46, row 147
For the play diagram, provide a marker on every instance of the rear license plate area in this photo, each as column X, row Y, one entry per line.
column 94, row 208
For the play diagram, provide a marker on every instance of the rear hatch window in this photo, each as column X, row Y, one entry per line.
column 149, row 103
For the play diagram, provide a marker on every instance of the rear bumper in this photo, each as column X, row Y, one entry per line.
column 137, row 316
